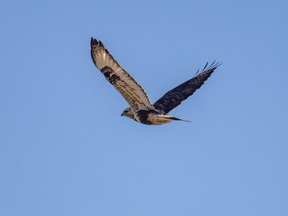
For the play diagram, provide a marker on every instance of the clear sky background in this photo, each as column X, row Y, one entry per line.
column 65, row 149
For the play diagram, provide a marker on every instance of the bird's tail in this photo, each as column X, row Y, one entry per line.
column 177, row 119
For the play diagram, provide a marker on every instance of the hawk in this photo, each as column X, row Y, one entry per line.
column 141, row 109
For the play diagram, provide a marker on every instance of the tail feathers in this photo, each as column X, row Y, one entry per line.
column 166, row 118
column 177, row 119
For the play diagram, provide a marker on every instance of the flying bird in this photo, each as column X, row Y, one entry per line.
column 141, row 109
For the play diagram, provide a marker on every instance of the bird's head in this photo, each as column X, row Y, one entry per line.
column 128, row 113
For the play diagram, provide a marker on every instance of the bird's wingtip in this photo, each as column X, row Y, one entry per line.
column 210, row 67
column 94, row 41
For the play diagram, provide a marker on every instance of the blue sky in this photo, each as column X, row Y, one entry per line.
column 65, row 149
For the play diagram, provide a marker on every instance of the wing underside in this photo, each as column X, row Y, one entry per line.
column 118, row 77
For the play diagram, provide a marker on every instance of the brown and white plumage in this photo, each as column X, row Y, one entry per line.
column 118, row 77
column 141, row 109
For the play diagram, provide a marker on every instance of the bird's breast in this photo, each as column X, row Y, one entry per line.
column 151, row 117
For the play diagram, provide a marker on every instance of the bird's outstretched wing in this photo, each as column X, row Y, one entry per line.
column 118, row 77
column 175, row 96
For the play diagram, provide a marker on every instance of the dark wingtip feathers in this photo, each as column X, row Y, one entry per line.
column 211, row 67
column 96, row 42
column 214, row 65
column 93, row 41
